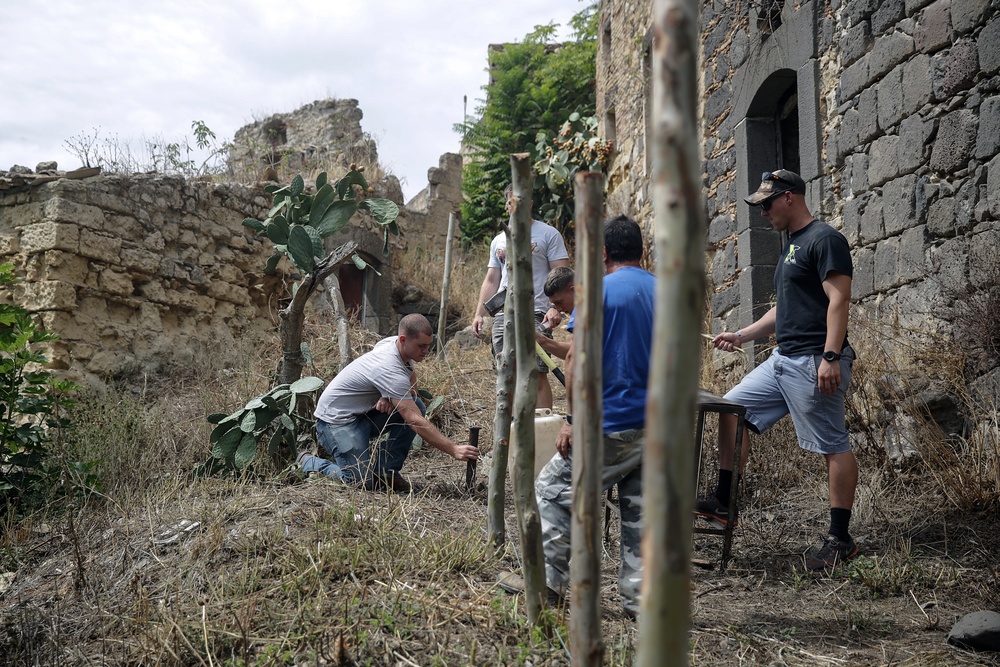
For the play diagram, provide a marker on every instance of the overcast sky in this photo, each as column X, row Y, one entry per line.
column 136, row 69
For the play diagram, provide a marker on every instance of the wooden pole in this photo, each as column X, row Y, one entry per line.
column 520, row 296
column 445, row 285
column 497, row 494
column 332, row 284
column 665, row 614
column 586, row 643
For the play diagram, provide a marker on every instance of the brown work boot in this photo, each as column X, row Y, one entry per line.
column 391, row 481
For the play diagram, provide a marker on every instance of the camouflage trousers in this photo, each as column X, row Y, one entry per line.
column 622, row 466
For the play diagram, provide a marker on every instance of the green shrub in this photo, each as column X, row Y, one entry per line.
column 33, row 402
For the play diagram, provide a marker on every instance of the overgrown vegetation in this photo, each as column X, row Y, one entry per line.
column 534, row 87
column 575, row 147
column 205, row 157
column 33, row 402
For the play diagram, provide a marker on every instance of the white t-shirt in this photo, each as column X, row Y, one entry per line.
column 547, row 246
column 356, row 389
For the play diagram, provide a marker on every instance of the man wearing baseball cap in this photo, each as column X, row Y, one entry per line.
column 808, row 372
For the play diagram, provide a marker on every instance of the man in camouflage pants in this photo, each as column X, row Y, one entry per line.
column 628, row 338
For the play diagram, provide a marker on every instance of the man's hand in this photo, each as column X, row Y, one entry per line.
column 465, row 453
column 477, row 326
column 828, row 377
column 552, row 318
column 384, row 405
column 727, row 341
column 565, row 439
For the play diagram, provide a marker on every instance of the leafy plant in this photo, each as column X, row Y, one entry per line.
column 534, row 85
column 115, row 155
column 298, row 222
column 576, row 146
column 32, row 402
column 272, row 416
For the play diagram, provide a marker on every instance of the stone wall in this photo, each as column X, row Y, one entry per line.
column 140, row 272
column 427, row 213
column 888, row 109
column 323, row 132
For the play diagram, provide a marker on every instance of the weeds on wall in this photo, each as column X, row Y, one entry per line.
column 199, row 156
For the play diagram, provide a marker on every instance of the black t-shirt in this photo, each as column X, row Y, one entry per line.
column 811, row 254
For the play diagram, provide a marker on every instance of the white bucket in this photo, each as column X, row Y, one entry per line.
column 547, row 427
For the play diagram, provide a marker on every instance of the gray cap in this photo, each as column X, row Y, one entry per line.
column 773, row 183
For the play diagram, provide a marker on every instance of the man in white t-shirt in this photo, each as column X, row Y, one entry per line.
column 368, row 415
column 548, row 251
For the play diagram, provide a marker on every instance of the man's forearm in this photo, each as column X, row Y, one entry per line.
column 762, row 328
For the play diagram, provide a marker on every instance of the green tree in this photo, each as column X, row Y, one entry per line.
column 534, row 87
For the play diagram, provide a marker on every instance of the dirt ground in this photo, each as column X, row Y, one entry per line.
column 284, row 569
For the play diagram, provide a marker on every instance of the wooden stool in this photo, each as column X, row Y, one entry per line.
column 709, row 402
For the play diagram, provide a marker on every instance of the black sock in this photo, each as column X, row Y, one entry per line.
column 725, row 483
column 840, row 521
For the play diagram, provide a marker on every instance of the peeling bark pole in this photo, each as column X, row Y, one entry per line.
column 293, row 316
column 445, row 285
column 521, row 292
column 496, row 496
column 586, row 643
column 665, row 617
column 332, row 284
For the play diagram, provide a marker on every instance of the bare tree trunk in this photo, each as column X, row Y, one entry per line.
column 292, row 316
column 332, row 284
column 586, row 643
column 665, row 618
column 501, row 433
column 445, row 285
column 521, row 292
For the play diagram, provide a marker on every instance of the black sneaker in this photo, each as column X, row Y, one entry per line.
column 711, row 510
column 511, row 582
column 831, row 552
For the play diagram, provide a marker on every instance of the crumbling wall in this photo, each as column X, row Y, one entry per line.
column 325, row 132
column 139, row 272
column 427, row 213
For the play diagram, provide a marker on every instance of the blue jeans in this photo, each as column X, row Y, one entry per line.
column 351, row 445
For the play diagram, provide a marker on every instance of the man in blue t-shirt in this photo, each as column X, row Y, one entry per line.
column 629, row 293
column 808, row 373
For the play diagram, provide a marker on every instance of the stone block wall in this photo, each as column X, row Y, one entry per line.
column 140, row 272
column 889, row 111
column 623, row 85
column 426, row 225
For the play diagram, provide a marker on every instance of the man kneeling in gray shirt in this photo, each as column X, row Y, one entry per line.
column 368, row 415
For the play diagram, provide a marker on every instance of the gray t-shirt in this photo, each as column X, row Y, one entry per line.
column 355, row 390
column 547, row 246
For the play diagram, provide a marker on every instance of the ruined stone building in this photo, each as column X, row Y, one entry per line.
column 888, row 109
column 142, row 272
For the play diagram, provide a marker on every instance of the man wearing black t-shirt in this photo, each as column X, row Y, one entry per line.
column 808, row 372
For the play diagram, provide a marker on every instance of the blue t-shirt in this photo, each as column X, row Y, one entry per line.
column 629, row 295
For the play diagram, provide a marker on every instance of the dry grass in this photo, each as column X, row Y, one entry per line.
column 280, row 569
column 423, row 267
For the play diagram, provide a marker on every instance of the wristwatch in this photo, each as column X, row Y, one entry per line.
column 831, row 356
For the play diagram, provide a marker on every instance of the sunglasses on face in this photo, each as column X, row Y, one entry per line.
column 766, row 204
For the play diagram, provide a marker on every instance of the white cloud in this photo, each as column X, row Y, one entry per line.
column 142, row 69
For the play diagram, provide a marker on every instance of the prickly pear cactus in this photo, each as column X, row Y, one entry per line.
column 298, row 222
